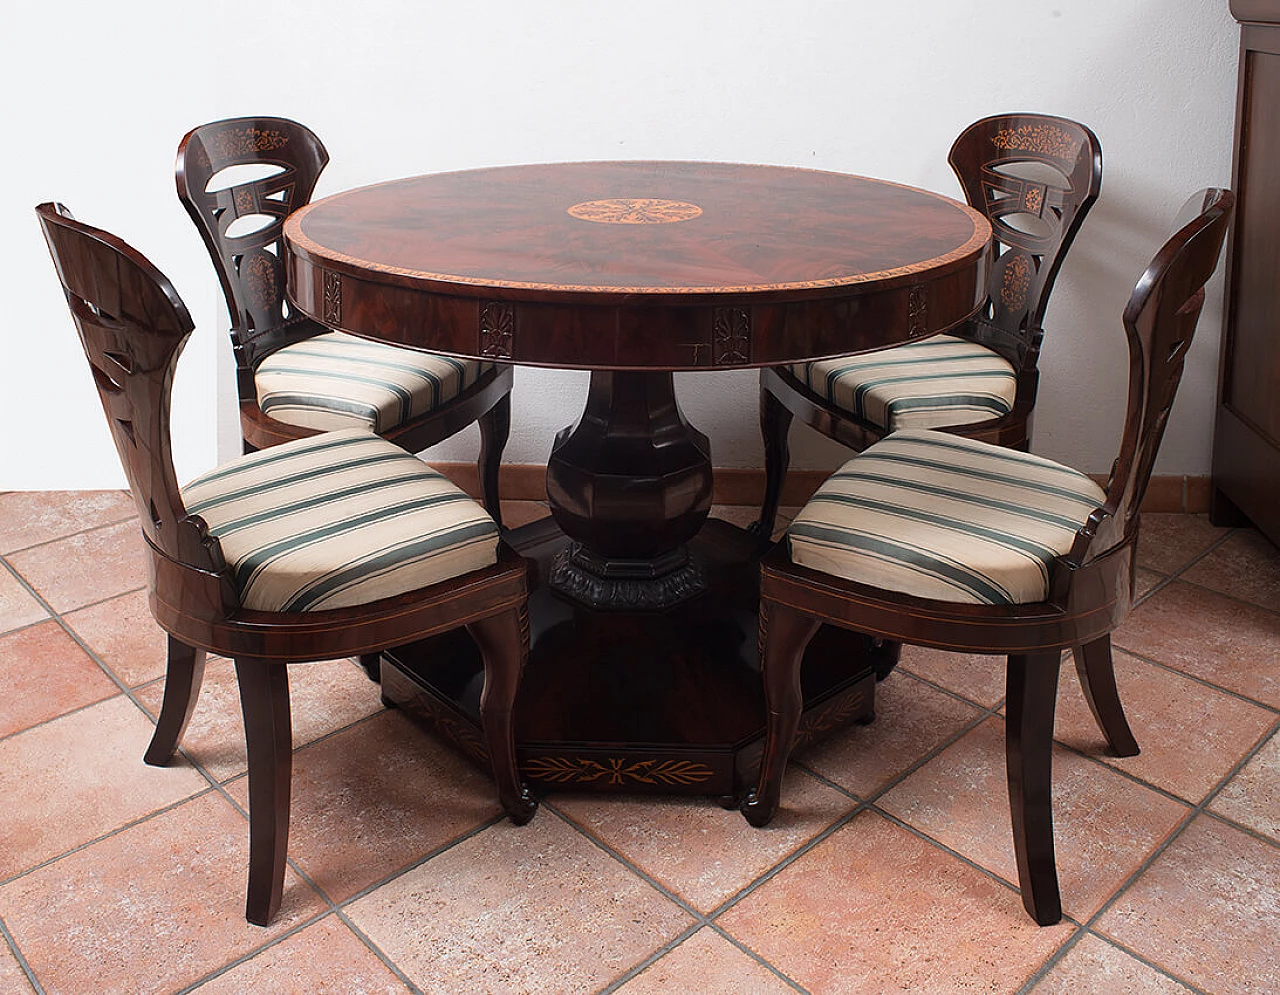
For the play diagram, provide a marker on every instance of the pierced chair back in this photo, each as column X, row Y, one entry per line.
column 133, row 326
column 1035, row 177
column 239, row 179
column 242, row 221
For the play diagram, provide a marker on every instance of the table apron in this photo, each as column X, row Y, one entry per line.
column 632, row 335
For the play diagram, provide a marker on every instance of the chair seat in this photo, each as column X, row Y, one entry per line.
column 938, row 516
column 335, row 381
column 339, row 519
column 932, row 383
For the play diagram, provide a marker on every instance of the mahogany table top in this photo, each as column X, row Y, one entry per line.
column 644, row 265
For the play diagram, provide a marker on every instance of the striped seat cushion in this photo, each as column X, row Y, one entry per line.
column 338, row 519
column 335, row 380
column 932, row 383
column 941, row 517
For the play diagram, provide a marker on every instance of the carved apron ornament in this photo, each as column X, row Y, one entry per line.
column 731, row 336
column 332, row 299
column 497, row 330
column 917, row 311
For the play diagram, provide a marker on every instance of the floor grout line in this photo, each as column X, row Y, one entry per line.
column 132, row 516
column 1196, row 679
column 22, row 961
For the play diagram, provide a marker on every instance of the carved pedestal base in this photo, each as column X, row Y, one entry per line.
column 626, row 585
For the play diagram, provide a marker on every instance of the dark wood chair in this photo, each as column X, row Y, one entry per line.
column 329, row 546
column 294, row 376
column 1035, row 178
column 938, row 540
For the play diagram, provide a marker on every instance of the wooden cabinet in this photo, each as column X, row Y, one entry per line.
column 1246, row 446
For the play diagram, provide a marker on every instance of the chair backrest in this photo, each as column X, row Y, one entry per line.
column 1160, row 321
column 133, row 326
column 1035, row 177
column 240, row 213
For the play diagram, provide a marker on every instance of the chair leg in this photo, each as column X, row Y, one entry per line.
column 775, row 425
column 1098, row 681
column 784, row 634
column 264, row 700
column 495, row 427
column 504, row 645
column 184, row 674
column 372, row 664
column 884, row 656
column 1032, row 694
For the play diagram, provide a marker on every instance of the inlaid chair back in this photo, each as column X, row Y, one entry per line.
column 241, row 219
column 133, row 327
column 239, row 179
column 1035, row 177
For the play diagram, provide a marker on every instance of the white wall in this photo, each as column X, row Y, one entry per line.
column 97, row 96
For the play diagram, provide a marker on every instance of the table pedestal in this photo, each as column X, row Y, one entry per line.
column 639, row 701
column 630, row 484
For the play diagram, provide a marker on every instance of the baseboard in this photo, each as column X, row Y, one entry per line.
column 734, row 485
column 1172, row 493
column 517, row 481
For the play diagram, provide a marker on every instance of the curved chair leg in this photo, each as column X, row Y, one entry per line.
column 183, row 676
column 1098, row 681
column 372, row 664
column 784, row 634
column 504, row 645
column 1032, row 695
column 775, row 425
column 495, row 428
column 264, row 700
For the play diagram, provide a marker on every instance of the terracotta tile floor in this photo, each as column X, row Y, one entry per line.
column 889, row 868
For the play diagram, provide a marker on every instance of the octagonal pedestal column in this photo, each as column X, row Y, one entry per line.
column 630, row 484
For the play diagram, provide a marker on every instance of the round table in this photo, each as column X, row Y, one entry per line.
column 633, row 270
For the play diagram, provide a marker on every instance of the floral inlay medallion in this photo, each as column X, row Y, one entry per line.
column 635, row 211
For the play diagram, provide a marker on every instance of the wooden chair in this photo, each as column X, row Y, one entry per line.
column 328, row 546
column 294, row 376
column 943, row 541
column 1035, row 178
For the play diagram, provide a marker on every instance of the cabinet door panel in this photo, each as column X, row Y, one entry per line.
column 1253, row 358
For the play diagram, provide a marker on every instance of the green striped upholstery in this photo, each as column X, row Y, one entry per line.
column 338, row 519
column 931, row 383
column 942, row 517
column 335, row 380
